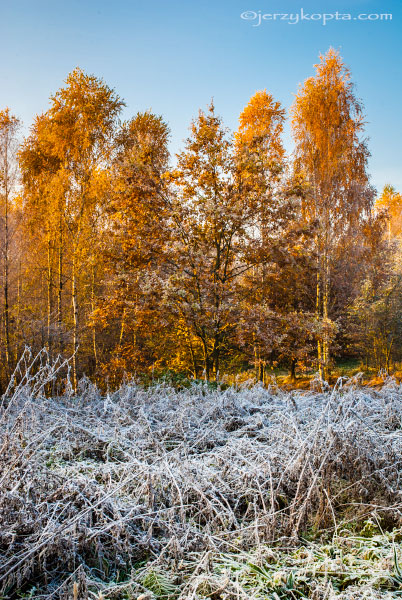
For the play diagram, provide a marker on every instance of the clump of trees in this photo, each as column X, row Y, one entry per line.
column 229, row 256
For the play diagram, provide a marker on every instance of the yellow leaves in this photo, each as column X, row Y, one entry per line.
column 81, row 116
column 172, row 176
column 261, row 123
column 258, row 147
column 100, row 181
column 261, row 114
column 326, row 123
column 7, row 120
column 18, row 202
column 390, row 201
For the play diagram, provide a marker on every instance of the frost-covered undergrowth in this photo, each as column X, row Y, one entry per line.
column 198, row 493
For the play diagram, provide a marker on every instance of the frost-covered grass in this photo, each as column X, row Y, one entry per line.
column 199, row 493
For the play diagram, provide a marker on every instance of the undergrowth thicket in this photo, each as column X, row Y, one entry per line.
column 197, row 493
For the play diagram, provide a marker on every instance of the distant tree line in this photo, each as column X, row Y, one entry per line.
column 229, row 256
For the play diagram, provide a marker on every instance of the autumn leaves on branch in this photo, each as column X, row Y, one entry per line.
column 227, row 257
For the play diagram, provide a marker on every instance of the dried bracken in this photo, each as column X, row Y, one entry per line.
column 146, row 491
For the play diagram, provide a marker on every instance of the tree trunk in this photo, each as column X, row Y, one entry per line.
column 293, row 370
column 261, row 371
column 49, row 294
column 60, row 289
column 75, row 320
column 318, row 316
column 123, row 322
column 192, row 353
column 6, row 266
column 18, row 316
column 216, row 357
column 325, row 344
column 93, row 327
column 207, row 368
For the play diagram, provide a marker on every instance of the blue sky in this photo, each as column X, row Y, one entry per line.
column 174, row 56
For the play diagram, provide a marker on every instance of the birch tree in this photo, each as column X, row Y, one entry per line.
column 9, row 126
column 331, row 154
column 68, row 149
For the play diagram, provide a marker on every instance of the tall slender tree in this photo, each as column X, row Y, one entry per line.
column 69, row 147
column 390, row 201
column 260, row 164
column 136, row 225
column 9, row 126
column 331, row 154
